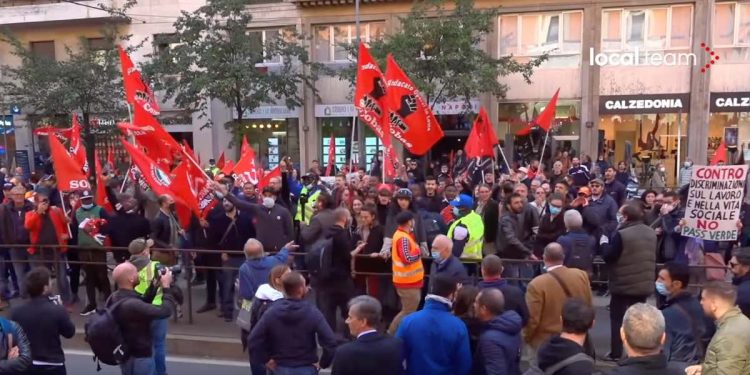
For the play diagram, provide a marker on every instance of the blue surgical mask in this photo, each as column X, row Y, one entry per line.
column 554, row 210
column 87, row 206
column 436, row 255
column 456, row 213
column 661, row 288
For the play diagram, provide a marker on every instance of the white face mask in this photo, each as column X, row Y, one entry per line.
column 87, row 206
column 268, row 202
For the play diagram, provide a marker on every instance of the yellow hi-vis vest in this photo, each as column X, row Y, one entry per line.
column 474, row 224
column 309, row 207
column 145, row 276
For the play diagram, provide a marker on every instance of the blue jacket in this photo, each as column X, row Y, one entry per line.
column 600, row 216
column 499, row 347
column 683, row 323
column 451, row 267
column 254, row 272
column 743, row 293
column 514, row 297
column 435, row 341
column 567, row 240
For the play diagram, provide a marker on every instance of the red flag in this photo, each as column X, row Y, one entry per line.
column 101, row 189
column 331, row 155
column 245, row 147
column 482, row 139
column 369, row 98
column 137, row 91
column 545, row 119
column 76, row 145
column 69, row 174
column 411, row 119
column 720, row 155
column 157, row 178
column 245, row 170
column 111, row 156
column 199, row 183
column 221, row 161
column 157, row 142
column 62, row 133
column 184, row 188
column 276, row 172
column 228, row 167
column 189, row 151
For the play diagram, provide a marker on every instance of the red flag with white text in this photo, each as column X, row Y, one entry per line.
column 68, row 172
column 137, row 90
column 411, row 119
column 184, row 188
column 158, row 143
column 200, row 184
column 76, row 149
column 245, row 170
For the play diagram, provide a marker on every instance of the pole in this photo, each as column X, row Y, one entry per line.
column 502, row 153
column 541, row 157
column 62, row 202
column 351, row 152
column 679, row 147
column 5, row 139
column 361, row 135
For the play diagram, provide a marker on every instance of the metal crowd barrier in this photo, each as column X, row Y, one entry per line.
column 191, row 268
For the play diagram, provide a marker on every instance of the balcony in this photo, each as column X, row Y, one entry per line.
column 14, row 13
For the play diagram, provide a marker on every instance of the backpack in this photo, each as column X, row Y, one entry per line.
column 7, row 329
column 257, row 310
column 580, row 255
column 104, row 335
column 580, row 357
column 319, row 259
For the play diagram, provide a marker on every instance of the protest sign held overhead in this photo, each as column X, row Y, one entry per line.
column 714, row 202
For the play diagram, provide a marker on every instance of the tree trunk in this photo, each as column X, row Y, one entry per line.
column 89, row 141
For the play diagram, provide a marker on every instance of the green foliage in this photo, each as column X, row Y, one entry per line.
column 439, row 48
column 213, row 55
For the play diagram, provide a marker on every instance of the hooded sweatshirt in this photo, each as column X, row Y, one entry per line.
column 499, row 346
column 558, row 349
column 287, row 334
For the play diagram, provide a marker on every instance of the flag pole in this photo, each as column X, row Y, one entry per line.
column 351, row 152
column 502, row 153
column 546, row 137
column 62, row 202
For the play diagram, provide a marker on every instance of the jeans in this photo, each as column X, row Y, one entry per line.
column 46, row 370
column 305, row 370
column 45, row 257
column 159, row 335
column 137, row 366
column 409, row 302
column 20, row 257
column 226, row 285
column 617, row 306
column 256, row 369
column 211, row 282
column 329, row 298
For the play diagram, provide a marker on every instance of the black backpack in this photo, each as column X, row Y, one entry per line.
column 319, row 259
column 104, row 335
column 535, row 370
column 581, row 256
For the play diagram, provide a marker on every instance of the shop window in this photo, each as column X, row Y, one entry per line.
column 720, row 124
column 533, row 34
column 565, row 132
column 330, row 41
column 653, row 29
column 271, row 138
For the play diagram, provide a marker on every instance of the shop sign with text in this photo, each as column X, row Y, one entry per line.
column 638, row 104
column 730, row 102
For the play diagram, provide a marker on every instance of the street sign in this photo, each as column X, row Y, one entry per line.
column 15, row 109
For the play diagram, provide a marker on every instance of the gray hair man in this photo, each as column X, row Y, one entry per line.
column 257, row 266
column 444, row 262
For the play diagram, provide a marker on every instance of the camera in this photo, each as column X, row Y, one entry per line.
column 161, row 270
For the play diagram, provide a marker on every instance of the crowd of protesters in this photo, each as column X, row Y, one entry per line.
column 463, row 267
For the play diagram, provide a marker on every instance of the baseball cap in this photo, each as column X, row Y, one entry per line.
column 584, row 190
column 86, row 194
column 403, row 193
column 597, row 181
column 463, row 200
column 138, row 245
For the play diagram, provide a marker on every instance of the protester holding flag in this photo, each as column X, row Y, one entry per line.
column 90, row 222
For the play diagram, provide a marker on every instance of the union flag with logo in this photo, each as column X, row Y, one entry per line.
column 137, row 90
column 411, row 119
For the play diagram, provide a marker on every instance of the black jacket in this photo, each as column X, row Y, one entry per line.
column 371, row 354
column 125, row 227
column 516, row 238
column 514, row 297
column 287, row 333
column 225, row 238
column 490, row 217
column 44, row 334
column 161, row 231
column 743, row 293
column 650, row 365
column 20, row 364
column 616, row 190
column 549, row 230
column 557, row 349
column 341, row 258
column 685, row 329
column 135, row 316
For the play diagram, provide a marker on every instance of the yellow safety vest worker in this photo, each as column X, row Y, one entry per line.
column 407, row 272
column 309, row 208
column 474, row 224
column 145, row 276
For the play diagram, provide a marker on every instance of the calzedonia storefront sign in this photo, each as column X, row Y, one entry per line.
column 640, row 104
column 730, row 102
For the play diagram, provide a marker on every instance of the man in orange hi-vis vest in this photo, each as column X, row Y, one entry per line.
column 408, row 272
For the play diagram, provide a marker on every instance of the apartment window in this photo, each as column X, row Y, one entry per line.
column 263, row 39
column 44, row 49
column 659, row 28
column 331, row 40
column 731, row 25
column 534, row 34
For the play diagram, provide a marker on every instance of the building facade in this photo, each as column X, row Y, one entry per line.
column 632, row 76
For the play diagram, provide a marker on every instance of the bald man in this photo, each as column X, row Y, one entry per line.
column 547, row 293
column 135, row 315
column 444, row 262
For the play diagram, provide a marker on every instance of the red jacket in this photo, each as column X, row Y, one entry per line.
column 33, row 224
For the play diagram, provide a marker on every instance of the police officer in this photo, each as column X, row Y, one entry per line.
column 307, row 198
column 467, row 231
column 140, row 257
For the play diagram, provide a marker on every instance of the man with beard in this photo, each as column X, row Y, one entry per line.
column 580, row 173
column 229, row 229
column 431, row 200
column 126, row 225
column 516, row 235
